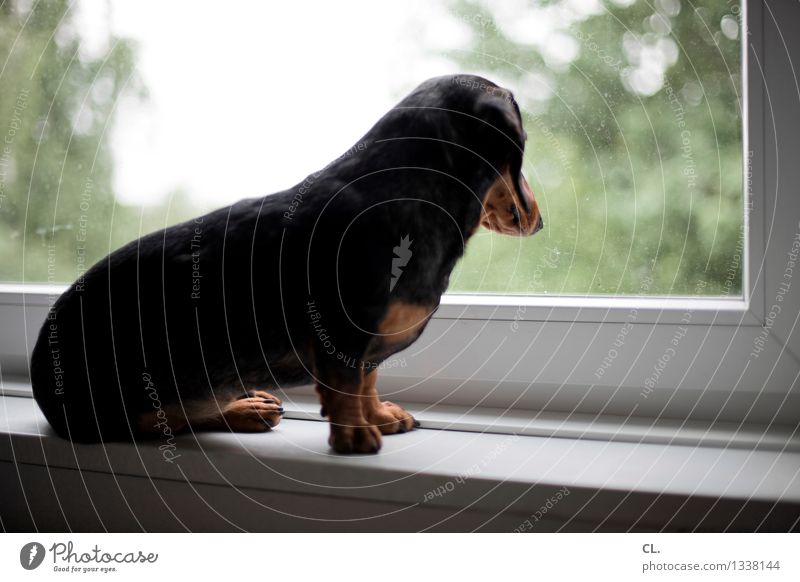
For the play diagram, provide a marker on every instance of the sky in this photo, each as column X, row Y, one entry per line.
column 247, row 98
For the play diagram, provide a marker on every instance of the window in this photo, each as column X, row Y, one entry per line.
column 633, row 111
column 650, row 292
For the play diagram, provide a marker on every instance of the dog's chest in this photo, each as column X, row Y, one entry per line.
column 401, row 325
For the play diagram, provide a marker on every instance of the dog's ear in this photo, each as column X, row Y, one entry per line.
column 501, row 112
column 505, row 134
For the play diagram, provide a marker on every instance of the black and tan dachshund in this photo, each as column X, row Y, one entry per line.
column 184, row 328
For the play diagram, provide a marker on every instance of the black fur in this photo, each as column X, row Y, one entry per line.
column 142, row 319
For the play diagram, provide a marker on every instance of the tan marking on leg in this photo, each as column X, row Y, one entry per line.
column 259, row 411
column 387, row 416
column 351, row 432
column 403, row 321
column 265, row 395
column 158, row 421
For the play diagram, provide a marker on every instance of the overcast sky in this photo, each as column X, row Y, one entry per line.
column 247, row 98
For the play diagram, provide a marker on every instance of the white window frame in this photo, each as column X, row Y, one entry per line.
column 543, row 353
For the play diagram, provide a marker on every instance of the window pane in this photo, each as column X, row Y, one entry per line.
column 633, row 115
column 115, row 124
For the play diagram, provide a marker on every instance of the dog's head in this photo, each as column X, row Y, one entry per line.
column 478, row 126
column 509, row 206
column 487, row 122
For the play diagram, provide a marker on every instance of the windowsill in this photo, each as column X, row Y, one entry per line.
column 512, row 475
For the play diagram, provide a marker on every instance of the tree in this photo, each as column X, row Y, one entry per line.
column 633, row 115
column 58, row 105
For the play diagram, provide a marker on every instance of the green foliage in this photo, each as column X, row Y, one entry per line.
column 58, row 211
column 639, row 178
column 634, row 147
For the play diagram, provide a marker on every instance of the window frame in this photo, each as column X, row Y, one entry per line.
column 465, row 327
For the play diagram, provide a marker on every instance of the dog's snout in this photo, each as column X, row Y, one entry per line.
column 539, row 224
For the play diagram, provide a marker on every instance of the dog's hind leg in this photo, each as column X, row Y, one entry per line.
column 258, row 411
column 167, row 421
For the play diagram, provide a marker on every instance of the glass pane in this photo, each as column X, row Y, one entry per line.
column 633, row 115
column 115, row 124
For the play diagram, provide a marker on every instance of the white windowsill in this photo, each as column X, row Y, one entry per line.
column 520, row 471
column 301, row 403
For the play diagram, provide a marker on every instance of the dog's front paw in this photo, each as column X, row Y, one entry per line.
column 355, row 439
column 389, row 417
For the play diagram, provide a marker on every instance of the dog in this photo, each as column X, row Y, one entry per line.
column 184, row 328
